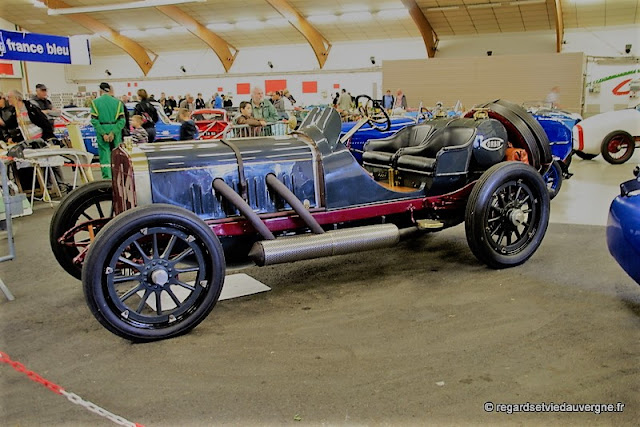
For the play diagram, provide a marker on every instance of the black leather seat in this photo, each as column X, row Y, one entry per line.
column 381, row 152
column 448, row 151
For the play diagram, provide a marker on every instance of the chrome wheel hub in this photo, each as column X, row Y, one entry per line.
column 159, row 277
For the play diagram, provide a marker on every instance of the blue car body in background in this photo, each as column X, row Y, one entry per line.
column 367, row 132
column 623, row 228
column 166, row 130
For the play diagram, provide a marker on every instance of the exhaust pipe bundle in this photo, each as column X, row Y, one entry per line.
column 337, row 242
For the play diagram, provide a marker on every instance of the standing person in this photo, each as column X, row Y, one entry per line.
column 107, row 117
column 228, row 102
column 553, row 97
column 188, row 129
column 200, row 104
column 246, row 117
column 188, row 103
column 262, row 109
column 43, row 102
column 401, row 101
column 344, row 103
column 126, row 130
column 278, row 103
column 149, row 114
column 139, row 134
column 172, row 104
column 335, row 100
column 8, row 120
column 387, row 101
column 217, row 100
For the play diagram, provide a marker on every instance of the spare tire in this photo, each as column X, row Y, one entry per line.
column 543, row 140
column 519, row 133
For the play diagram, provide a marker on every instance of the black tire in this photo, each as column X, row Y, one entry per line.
column 617, row 143
column 553, row 179
column 585, row 156
column 508, row 196
column 77, row 204
column 518, row 132
column 119, row 275
column 536, row 128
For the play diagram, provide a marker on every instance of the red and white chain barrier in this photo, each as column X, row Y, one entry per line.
column 72, row 397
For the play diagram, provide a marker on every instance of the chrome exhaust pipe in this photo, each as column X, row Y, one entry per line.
column 337, row 242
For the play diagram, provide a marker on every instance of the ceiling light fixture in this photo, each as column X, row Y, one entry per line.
column 119, row 6
column 39, row 4
column 322, row 19
column 526, row 2
column 221, row 26
column 356, row 16
column 484, row 6
column 442, row 9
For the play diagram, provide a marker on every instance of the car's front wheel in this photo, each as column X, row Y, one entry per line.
column 617, row 147
column 154, row 272
column 507, row 214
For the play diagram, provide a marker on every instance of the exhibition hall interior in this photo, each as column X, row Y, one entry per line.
column 340, row 212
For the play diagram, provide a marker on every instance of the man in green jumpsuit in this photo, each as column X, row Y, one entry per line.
column 107, row 118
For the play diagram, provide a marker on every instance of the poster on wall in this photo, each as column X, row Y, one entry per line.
column 10, row 69
column 611, row 86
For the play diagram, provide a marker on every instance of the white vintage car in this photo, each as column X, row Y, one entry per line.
column 613, row 134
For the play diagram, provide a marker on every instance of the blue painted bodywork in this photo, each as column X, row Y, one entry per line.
column 166, row 130
column 623, row 229
column 559, row 135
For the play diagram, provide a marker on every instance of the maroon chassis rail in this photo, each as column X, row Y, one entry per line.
column 286, row 221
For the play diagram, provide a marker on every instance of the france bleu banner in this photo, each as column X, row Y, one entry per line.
column 18, row 46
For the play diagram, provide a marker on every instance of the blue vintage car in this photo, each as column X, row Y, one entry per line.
column 166, row 130
column 559, row 134
column 558, row 125
column 623, row 227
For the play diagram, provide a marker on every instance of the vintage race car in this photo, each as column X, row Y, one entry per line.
column 623, row 227
column 614, row 135
column 151, row 246
column 211, row 123
column 166, row 130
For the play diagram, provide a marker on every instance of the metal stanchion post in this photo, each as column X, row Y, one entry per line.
column 7, row 211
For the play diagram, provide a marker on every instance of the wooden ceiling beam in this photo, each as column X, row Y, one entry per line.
column 559, row 26
column 319, row 44
column 134, row 49
column 424, row 26
column 219, row 45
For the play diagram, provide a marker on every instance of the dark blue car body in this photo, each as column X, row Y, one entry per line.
column 623, row 228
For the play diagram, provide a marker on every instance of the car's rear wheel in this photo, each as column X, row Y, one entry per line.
column 88, row 207
column 617, row 147
column 154, row 272
column 507, row 214
column 553, row 178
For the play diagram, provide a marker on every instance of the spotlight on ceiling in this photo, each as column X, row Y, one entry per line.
column 373, row 60
column 270, row 64
column 489, row 52
column 184, row 70
column 107, row 72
